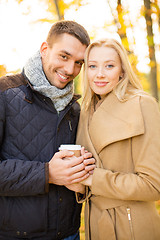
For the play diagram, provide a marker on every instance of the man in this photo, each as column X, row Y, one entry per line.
column 38, row 113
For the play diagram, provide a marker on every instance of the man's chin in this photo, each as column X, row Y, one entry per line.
column 59, row 84
column 63, row 85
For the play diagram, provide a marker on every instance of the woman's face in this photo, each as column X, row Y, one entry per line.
column 104, row 69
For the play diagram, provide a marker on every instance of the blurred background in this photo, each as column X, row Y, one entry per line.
column 24, row 24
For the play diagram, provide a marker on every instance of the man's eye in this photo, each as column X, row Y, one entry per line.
column 79, row 63
column 64, row 57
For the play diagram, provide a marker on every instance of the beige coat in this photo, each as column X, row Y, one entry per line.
column 125, row 140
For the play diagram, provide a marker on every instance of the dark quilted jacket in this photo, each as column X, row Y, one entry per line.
column 30, row 133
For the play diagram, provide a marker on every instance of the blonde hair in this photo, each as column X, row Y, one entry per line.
column 127, row 87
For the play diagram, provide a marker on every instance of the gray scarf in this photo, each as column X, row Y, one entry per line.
column 34, row 72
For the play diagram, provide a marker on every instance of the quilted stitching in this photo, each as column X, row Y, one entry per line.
column 20, row 117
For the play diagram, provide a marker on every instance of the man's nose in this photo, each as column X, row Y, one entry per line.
column 69, row 68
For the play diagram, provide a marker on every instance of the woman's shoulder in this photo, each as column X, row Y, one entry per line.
column 149, row 106
column 144, row 99
column 141, row 104
column 148, row 101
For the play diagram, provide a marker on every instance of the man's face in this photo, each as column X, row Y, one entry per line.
column 63, row 61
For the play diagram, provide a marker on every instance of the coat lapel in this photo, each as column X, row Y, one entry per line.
column 84, row 139
column 115, row 121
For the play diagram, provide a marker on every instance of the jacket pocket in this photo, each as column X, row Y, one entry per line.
column 106, row 226
column 143, row 221
column 117, row 225
column 23, row 216
column 130, row 222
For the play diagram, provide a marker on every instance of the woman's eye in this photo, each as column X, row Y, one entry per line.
column 109, row 66
column 92, row 66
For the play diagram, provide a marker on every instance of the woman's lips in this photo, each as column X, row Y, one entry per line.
column 101, row 84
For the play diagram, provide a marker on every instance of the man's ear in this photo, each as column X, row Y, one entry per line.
column 43, row 49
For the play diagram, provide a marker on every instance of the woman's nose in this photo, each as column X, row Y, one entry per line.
column 100, row 73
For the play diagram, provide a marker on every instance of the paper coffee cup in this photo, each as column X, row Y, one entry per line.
column 72, row 147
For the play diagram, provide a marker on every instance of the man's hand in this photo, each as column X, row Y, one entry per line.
column 67, row 172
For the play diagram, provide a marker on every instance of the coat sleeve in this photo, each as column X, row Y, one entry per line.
column 144, row 183
column 18, row 177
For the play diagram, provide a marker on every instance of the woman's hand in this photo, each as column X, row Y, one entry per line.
column 87, row 181
column 76, row 187
column 89, row 161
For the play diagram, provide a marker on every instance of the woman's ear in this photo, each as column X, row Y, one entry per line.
column 121, row 76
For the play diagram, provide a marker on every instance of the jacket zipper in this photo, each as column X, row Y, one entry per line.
column 70, row 125
column 130, row 222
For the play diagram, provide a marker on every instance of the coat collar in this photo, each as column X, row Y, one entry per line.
column 114, row 121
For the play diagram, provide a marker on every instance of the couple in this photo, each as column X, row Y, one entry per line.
column 119, row 125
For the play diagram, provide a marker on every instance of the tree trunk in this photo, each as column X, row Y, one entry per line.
column 60, row 17
column 151, row 45
column 157, row 11
column 122, row 26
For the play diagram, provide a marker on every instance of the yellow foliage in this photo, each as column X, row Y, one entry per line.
column 152, row 64
column 61, row 6
column 19, row 1
column 158, row 75
column 145, row 83
column 3, row 70
column 82, row 228
column 158, row 206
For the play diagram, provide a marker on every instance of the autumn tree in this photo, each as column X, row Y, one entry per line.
column 151, row 46
column 3, row 70
column 157, row 10
column 120, row 23
column 59, row 6
column 122, row 26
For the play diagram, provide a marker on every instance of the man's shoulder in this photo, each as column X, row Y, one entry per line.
column 12, row 81
column 76, row 104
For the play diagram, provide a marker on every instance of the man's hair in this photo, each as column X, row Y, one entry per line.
column 70, row 27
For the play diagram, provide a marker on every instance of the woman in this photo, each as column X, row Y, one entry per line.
column 120, row 125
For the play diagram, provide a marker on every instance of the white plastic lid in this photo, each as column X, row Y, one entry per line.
column 70, row 147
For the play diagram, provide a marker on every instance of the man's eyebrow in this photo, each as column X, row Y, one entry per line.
column 81, row 60
column 67, row 53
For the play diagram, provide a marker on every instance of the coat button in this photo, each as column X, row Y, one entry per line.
column 59, row 233
column 18, row 233
column 60, row 199
column 24, row 233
